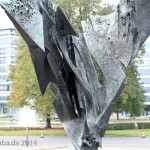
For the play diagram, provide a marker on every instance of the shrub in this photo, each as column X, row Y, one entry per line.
column 144, row 125
column 121, row 126
column 127, row 126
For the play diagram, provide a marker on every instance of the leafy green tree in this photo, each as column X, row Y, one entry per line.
column 79, row 10
column 25, row 85
column 132, row 97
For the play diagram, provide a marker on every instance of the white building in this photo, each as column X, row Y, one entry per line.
column 144, row 71
column 8, row 41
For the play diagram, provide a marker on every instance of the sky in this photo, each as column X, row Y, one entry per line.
column 4, row 20
column 6, row 23
column 111, row 2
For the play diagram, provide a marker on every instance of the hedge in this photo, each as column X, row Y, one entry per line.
column 118, row 126
column 143, row 125
column 121, row 126
column 127, row 126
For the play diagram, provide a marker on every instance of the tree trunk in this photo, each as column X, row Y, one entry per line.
column 118, row 114
column 48, row 123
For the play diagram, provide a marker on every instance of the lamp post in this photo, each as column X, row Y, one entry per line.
column 27, row 140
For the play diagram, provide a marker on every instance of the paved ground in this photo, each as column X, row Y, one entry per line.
column 126, row 143
column 63, row 143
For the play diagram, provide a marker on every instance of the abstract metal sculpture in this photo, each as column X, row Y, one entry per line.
column 63, row 59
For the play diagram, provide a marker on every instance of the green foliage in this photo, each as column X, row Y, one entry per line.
column 106, row 10
column 132, row 97
column 127, row 132
column 32, row 131
column 127, row 126
column 25, row 85
column 143, row 125
column 121, row 126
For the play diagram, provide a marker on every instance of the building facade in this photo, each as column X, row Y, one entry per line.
column 8, row 41
column 144, row 71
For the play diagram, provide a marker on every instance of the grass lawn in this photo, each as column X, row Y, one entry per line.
column 12, row 120
column 49, row 132
column 6, row 119
column 137, row 132
column 61, row 132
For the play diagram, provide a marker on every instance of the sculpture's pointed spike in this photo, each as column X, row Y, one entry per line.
column 2, row 3
column 31, row 26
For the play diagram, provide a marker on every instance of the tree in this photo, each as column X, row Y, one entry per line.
column 79, row 10
column 132, row 97
column 25, row 85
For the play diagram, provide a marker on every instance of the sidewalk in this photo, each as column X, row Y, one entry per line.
column 67, row 148
column 36, row 148
column 63, row 143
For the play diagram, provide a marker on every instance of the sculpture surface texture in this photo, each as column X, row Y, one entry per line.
column 63, row 60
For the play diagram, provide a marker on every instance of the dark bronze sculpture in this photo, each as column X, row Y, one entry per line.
column 64, row 60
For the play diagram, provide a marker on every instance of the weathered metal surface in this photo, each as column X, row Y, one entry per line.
column 63, row 59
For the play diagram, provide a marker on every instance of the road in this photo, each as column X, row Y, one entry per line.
column 63, row 143
column 126, row 143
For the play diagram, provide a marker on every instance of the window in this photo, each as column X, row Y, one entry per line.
column 2, row 60
column 12, row 59
column 3, row 78
column 8, row 41
column 3, row 69
column 3, row 98
column 7, row 32
column 4, row 87
column 145, row 80
column 2, row 51
column 4, row 41
column 147, row 89
column 145, row 63
column 147, row 98
column 144, row 71
column 147, row 54
column 14, row 41
column 12, row 51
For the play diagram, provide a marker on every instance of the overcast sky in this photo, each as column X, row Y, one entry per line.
column 111, row 2
column 4, row 20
